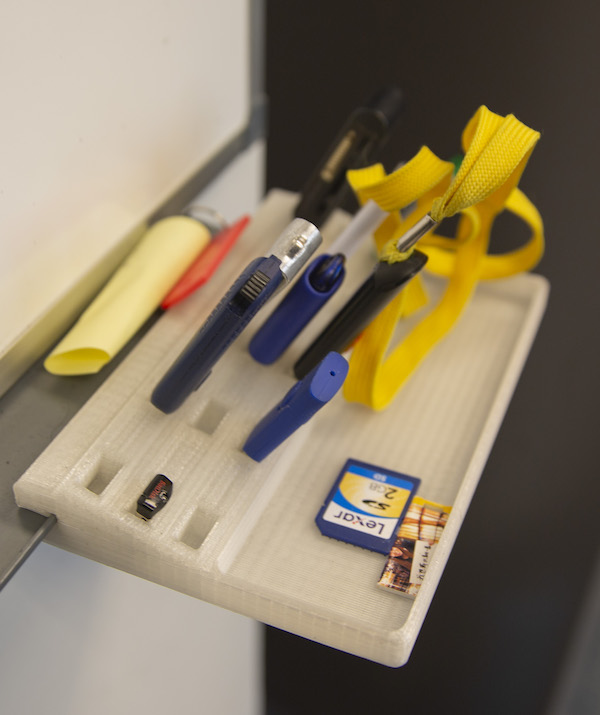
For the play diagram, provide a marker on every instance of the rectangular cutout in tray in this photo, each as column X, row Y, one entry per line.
column 241, row 534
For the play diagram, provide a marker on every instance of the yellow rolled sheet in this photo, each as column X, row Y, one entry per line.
column 130, row 297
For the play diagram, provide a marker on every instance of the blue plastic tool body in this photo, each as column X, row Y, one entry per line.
column 303, row 401
column 304, row 300
column 251, row 290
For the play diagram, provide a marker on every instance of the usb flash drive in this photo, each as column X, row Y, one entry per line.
column 154, row 496
column 251, row 290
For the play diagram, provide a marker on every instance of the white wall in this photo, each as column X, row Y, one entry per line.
column 108, row 106
column 82, row 639
column 79, row 638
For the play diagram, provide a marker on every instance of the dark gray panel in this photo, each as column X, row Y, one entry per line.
column 496, row 634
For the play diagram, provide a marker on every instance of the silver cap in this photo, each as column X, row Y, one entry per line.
column 295, row 246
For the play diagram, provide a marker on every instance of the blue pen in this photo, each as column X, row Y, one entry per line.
column 309, row 294
column 301, row 403
column 314, row 288
column 254, row 286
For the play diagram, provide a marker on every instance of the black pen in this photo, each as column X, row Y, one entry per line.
column 363, row 134
column 374, row 294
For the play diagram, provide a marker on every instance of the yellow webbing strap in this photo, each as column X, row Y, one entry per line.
column 418, row 182
column 496, row 152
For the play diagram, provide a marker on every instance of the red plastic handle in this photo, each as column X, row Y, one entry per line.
column 206, row 264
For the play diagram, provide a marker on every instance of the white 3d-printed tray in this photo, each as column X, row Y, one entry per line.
column 242, row 534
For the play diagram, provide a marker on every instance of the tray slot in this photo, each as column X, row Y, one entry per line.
column 211, row 417
column 102, row 474
column 199, row 527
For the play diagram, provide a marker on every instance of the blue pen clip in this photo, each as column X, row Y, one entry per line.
column 303, row 401
column 304, row 300
column 314, row 288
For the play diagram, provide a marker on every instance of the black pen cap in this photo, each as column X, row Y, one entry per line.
column 356, row 145
column 389, row 102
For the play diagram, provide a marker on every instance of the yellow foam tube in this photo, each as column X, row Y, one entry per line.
column 130, row 297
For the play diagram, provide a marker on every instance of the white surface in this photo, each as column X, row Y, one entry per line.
column 81, row 639
column 242, row 534
column 78, row 638
column 108, row 108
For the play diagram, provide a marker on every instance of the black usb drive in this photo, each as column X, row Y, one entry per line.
column 154, row 496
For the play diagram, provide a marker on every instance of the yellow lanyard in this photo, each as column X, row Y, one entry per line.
column 496, row 152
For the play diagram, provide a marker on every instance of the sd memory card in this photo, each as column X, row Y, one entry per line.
column 366, row 504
